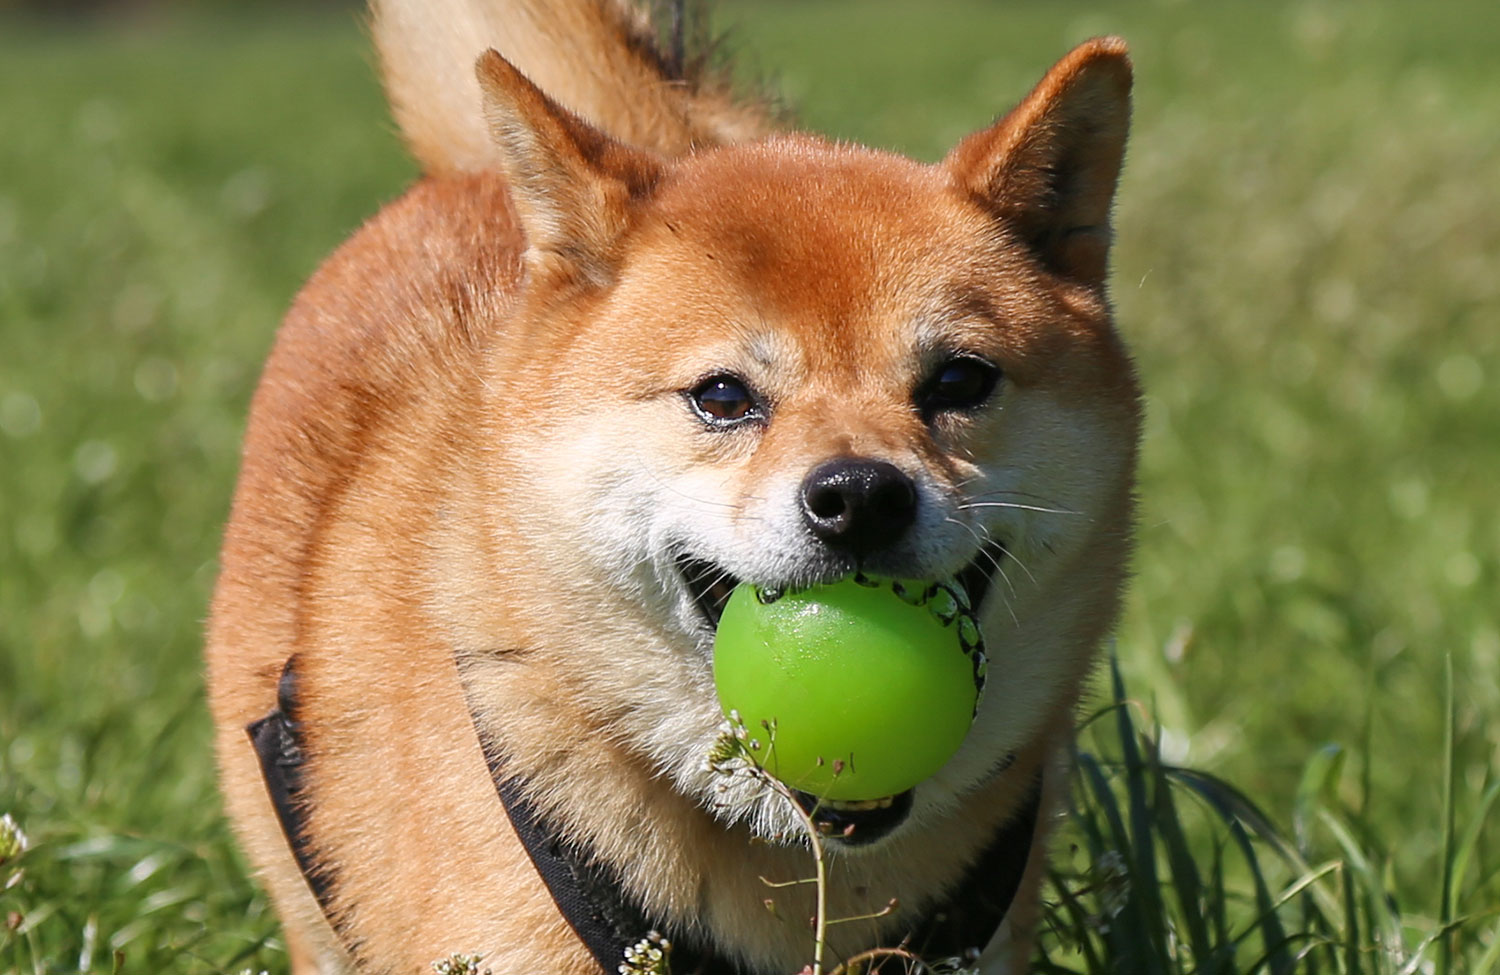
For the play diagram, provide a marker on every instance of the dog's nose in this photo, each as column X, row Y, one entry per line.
column 857, row 504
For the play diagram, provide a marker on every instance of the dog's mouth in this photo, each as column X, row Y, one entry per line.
column 978, row 576
column 710, row 585
column 851, row 823
column 856, row 823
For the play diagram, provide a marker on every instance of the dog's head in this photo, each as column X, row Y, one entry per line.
column 788, row 360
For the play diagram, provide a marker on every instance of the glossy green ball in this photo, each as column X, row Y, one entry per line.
column 868, row 686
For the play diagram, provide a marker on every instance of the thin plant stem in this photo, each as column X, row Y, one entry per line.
column 1446, row 894
column 911, row 958
column 814, row 838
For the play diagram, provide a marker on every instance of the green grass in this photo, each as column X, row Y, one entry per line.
column 1174, row 870
column 1309, row 238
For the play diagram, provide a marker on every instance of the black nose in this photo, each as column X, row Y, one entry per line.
column 858, row 505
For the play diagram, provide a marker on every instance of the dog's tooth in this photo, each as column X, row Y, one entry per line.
column 860, row 805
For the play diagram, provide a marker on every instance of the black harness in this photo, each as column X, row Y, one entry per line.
column 590, row 896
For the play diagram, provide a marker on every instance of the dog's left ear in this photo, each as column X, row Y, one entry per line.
column 1048, row 169
column 573, row 186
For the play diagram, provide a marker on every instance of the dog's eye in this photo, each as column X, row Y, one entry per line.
column 961, row 383
column 723, row 399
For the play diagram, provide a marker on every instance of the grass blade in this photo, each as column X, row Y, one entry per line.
column 1319, row 775
column 1351, row 924
column 1489, row 961
column 1445, row 893
column 1465, row 849
column 1079, row 918
column 1186, row 881
column 1145, row 893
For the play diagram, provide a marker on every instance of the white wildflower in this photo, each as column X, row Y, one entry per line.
column 460, row 965
column 13, row 843
column 649, row 956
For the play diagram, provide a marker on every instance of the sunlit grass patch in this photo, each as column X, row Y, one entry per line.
column 1175, row 870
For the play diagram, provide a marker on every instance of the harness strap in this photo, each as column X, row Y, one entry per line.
column 585, row 891
column 589, row 894
column 594, row 904
column 279, row 748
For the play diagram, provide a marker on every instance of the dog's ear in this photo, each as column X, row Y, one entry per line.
column 1048, row 169
column 573, row 186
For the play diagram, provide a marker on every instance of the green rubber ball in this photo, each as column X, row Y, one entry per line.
column 867, row 686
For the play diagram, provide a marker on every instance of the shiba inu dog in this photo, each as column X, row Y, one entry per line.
column 625, row 345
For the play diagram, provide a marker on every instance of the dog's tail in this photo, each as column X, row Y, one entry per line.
column 600, row 58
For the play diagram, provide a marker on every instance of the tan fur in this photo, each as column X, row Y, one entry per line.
column 470, row 443
column 595, row 56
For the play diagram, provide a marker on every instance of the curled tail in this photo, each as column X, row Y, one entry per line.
column 598, row 58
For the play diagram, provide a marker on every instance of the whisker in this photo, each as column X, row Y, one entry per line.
column 984, row 538
column 681, row 494
column 1009, row 605
column 1043, row 499
column 981, row 535
column 970, row 505
column 1016, row 491
column 709, row 571
column 994, row 561
column 1012, row 556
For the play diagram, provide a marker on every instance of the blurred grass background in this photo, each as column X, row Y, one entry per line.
column 1308, row 268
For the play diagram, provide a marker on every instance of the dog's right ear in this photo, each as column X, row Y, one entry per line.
column 573, row 186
